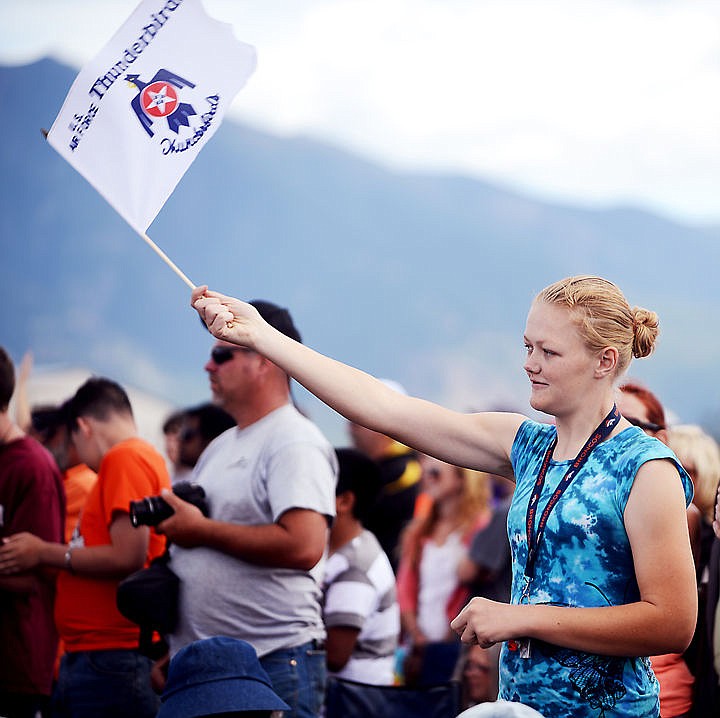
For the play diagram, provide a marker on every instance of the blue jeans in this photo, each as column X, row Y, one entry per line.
column 111, row 684
column 298, row 676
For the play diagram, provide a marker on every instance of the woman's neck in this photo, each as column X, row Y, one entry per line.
column 447, row 519
column 449, row 507
column 576, row 428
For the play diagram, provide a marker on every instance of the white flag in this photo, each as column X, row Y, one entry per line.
column 139, row 113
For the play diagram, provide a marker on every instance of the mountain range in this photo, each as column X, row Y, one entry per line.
column 423, row 278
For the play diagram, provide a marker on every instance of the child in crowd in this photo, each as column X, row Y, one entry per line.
column 360, row 610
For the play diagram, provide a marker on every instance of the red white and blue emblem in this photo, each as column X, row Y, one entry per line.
column 159, row 99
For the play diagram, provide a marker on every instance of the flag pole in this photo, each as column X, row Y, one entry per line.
column 152, row 245
column 167, row 260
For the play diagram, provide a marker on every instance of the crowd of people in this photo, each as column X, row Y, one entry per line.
column 564, row 568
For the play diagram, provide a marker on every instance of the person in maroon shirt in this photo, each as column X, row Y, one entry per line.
column 31, row 499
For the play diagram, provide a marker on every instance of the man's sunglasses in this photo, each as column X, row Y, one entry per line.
column 220, row 355
column 645, row 425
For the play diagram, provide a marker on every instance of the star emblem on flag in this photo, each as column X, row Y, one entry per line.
column 132, row 125
column 159, row 99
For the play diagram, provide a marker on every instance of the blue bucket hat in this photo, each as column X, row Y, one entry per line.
column 217, row 675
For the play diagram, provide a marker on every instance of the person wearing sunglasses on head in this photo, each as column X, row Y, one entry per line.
column 252, row 569
column 643, row 409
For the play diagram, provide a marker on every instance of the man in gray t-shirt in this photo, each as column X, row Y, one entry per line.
column 253, row 569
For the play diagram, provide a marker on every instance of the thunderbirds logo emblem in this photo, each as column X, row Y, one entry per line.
column 158, row 99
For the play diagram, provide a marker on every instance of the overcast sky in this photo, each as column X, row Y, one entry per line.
column 584, row 101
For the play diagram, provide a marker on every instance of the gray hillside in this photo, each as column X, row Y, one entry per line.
column 422, row 278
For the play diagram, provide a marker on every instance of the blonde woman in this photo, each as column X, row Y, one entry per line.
column 607, row 577
column 698, row 452
column 429, row 591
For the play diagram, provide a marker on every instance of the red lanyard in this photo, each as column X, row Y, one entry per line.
column 533, row 539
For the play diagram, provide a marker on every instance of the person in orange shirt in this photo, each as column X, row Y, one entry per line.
column 102, row 672
column 49, row 426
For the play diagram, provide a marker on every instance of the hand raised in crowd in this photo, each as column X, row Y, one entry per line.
column 227, row 318
column 20, row 552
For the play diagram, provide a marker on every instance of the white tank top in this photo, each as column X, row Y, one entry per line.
column 438, row 580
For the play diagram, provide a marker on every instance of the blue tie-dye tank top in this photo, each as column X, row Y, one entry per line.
column 584, row 560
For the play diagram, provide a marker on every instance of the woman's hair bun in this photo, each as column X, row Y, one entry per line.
column 646, row 327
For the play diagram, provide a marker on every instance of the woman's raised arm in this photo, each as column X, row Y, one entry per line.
column 481, row 441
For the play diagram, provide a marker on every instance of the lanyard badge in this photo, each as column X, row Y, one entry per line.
column 534, row 537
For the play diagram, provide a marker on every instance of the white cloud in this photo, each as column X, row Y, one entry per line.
column 584, row 100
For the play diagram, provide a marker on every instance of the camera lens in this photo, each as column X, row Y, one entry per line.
column 149, row 511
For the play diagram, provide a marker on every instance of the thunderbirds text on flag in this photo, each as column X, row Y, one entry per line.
column 138, row 114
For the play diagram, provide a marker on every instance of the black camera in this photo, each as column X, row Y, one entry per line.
column 151, row 510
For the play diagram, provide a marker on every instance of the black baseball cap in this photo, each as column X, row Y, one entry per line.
column 277, row 317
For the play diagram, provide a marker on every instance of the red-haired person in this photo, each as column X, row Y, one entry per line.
column 642, row 408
